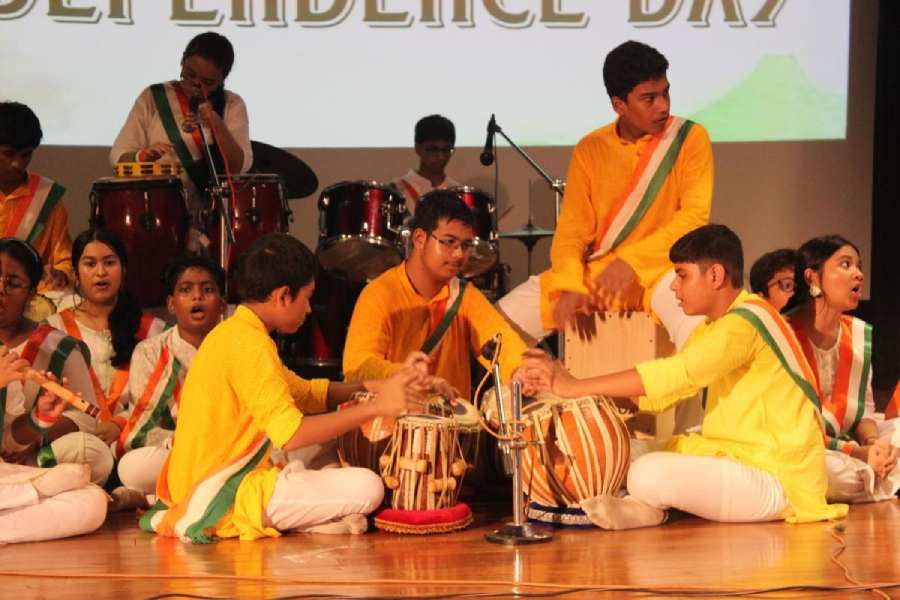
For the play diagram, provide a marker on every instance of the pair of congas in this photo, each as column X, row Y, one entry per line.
column 150, row 213
column 363, row 229
column 576, row 448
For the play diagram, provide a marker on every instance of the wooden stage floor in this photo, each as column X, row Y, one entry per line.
column 120, row 561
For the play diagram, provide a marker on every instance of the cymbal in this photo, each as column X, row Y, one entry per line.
column 299, row 179
column 527, row 234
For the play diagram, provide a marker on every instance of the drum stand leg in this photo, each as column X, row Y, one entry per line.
column 518, row 532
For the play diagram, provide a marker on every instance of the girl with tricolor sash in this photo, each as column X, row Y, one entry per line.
column 159, row 367
column 43, row 504
column 108, row 320
column 163, row 123
column 69, row 438
column 862, row 445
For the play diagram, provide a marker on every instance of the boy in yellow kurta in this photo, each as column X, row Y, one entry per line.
column 239, row 401
column 422, row 305
column 31, row 206
column 759, row 456
column 633, row 188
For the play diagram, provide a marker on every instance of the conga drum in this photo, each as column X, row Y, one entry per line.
column 150, row 216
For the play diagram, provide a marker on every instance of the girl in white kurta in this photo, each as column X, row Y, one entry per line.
column 862, row 444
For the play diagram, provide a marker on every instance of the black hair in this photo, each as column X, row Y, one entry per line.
column 441, row 204
column 25, row 254
column 630, row 64
column 712, row 244
column 213, row 47
column 813, row 254
column 435, row 127
column 125, row 318
column 272, row 261
column 19, row 126
column 770, row 263
column 192, row 261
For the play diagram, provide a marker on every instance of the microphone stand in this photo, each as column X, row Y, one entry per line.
column 557, row 185
column 220, row 194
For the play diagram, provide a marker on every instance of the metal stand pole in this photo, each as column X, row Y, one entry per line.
column 519, row 531
column 220, row 194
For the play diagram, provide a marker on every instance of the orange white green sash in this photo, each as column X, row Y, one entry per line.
column 779, row 336
column 643, row 187
column 846, row 406
column 173, row 105
column 47, row 349
column 157, row 406
column 194, row 519
column 32, row 212
column 108, row 400
column 442, row 316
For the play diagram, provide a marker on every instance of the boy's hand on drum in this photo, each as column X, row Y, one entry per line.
column 418, row 360
column 12, row 367
column 401, row 393
column 153, row 152
column 540, row 372
column 441, row 387
column 568, row 307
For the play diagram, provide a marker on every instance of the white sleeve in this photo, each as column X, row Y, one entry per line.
column 134, row 133
column 142, row 363
column 238, row 124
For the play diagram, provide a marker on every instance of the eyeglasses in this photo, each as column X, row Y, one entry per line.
column 430, row 149
column 785, row 285
column 453, row 244
column 12, row 285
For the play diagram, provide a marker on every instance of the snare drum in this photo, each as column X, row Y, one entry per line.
column 359, row 229
column 149, row 214
column 486, row 250
column 258, row 206
column 423, row 465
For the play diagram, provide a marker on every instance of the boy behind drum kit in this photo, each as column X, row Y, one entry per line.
column 435, row 141
column 760, row 455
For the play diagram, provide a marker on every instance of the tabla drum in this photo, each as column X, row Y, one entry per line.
column 578, row 449
column 359, row 229
column 150, row 216
column 423, row 465
column 257, row 206
column 486, row 250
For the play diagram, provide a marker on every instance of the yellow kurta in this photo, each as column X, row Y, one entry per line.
column 53, row 244
column 755, row 412
column 601, row 167
column 236, row 390
column 391, row 320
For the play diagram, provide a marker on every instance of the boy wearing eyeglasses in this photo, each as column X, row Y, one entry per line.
column 423, row 305
column 31, row 207
column 772, row 276
column 435, row 139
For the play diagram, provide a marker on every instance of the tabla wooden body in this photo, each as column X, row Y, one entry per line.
column 150, row 216
column 581, row 450
column 363, row 446
column 423, row 465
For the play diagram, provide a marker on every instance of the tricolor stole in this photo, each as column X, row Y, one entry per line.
column 846, row 406
column 209, row 500
column 32, row 211
column 648, row 178
column 47, row 349
column 442, row 316
column 171, row 100
column 775, row 331
column 158, row 404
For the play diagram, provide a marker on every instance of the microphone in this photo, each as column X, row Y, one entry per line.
column 489, row 349
column 487, row 156
column 194, row 103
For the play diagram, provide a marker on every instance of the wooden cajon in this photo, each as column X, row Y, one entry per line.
column 621, row 341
